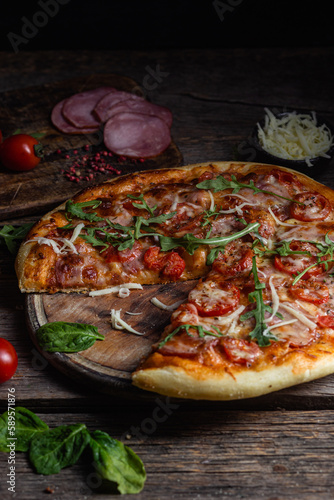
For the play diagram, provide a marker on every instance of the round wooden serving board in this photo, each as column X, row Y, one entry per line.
column 108, row 364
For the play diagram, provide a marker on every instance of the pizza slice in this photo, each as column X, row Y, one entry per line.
column 258, row 239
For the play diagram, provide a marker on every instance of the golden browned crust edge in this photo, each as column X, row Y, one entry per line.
column 181, row 382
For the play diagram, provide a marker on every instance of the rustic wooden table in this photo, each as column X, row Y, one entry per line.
column 275, row 447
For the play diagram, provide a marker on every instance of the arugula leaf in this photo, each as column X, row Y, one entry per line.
column 93, row 240
column 263, row 339
column 55, row 449
column 201, row 332
column 117, row 463
column 143, row 205
column 11, row 235
column 191, row 243
column 220, row 184
column 76, row 210
column 61, row 336
column 208, row 214
column 27, row 425
column 141, row 221
column 125, row 236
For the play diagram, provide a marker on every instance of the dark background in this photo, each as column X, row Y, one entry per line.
column 129, row 24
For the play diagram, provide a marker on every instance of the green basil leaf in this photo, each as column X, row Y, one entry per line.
column 60, row 336
column 26, row 426
column 11, row 235
column 58, row 448
column 117, row 463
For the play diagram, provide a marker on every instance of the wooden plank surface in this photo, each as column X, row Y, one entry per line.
column 44, row 187
column 242, row 455
column 243, row 449
column 108, row 364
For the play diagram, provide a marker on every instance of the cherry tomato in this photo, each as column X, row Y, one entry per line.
column 174, row 266
column 214, row 298
column 170, row 264
column 20, row 152
column 8, row 360
column 327, row 321
column 154, row 259
column 314, row 206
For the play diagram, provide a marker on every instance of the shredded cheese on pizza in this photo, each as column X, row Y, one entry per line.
column 76, row 232
column 54, row 244
column 302, row 318
column 238, row 208
column 277, row 325
column 67, row 244
column 295, row 136
column 275, row 299
column 212, row 205
column 280, row 223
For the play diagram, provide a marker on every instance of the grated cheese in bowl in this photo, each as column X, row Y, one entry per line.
column 295, row 136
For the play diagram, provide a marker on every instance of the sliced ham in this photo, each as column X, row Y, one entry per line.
column 78, row 109
column 136, row 135
column 140, row 106
column 108, row 101
column 63, row 125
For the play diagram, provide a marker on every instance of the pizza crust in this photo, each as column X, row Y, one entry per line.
column 178, row 382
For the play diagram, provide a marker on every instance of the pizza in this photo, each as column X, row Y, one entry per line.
column 255, row 239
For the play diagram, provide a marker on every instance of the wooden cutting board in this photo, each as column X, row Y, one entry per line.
column 108, row 364
column 45, row 187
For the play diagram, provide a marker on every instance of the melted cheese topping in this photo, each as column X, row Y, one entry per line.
column 295, row 136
